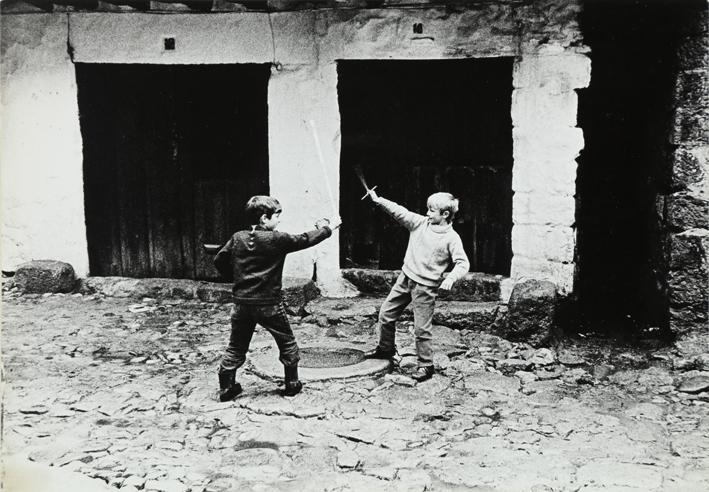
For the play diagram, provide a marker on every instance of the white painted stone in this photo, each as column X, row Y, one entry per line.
column 538, row 143
column 562, row 274
column 138, row 38
column 536, row 107
column 40, row 146
column 553, row 177
column 544, row 242
column 555, row 74
column 541, row 208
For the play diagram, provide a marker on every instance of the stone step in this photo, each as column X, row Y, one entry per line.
column 296, row 291
column 463, row 315
column 474, row 286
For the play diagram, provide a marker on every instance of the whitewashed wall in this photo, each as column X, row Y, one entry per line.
column 45, row 180
column 40, row 145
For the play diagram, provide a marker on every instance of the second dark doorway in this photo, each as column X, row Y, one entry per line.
column 417, row 127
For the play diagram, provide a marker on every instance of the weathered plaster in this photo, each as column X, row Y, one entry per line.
column 305, row 47
column 40, row 145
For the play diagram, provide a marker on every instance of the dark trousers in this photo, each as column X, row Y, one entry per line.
column 243, row 322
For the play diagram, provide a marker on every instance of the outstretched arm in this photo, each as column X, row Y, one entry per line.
column 402, row 215
column 296, row 242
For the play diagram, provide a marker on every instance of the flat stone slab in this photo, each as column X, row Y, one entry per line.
column 296, row 291
column 454, row 314
column 266, row 364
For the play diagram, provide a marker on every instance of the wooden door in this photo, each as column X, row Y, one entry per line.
column 171, row 155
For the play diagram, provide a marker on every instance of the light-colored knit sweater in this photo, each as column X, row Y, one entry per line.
column 431, row 248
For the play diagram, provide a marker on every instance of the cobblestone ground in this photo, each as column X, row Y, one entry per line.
column 125, row 391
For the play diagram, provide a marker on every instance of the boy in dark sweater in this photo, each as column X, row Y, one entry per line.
column 254, row 259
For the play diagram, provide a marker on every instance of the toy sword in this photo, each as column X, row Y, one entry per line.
column 360, row 175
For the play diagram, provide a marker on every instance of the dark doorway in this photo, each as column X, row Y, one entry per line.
column 171, row 155
column 417, row 127
column 626, row 114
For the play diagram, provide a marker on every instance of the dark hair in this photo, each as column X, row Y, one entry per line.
column 259, row 205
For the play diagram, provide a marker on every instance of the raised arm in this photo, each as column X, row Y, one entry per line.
column 401, row 214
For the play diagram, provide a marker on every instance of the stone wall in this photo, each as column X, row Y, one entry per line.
column 687, row 208
column 304, row 47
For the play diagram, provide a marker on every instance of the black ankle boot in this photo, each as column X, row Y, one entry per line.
column 293, row 385
column 228, row 388
column 378, row 353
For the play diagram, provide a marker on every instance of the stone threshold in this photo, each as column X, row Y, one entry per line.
column 296, row 291
column 462, row 315
column 475, row 286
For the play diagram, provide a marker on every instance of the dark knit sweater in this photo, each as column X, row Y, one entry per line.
column 254, row 261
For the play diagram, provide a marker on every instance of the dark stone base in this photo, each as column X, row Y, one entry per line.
column 531, row 313
column 472, row 287
column 296, row 291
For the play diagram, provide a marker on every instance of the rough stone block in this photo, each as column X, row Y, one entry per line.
column 533, row 106
column 689, row 166
column 694, row 52
column 688, row 288
column 544, row 242
column 40, row 276
column 371, row 281
column 687, row 319
column 543, row 208
column 692, row 90
column 562, row 274
column 685, row 211
column 555, row 74
column 693, row 125
column 689, row 250
column 297, row 292
column 531, row 313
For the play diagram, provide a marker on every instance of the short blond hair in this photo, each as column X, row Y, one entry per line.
column 445, row 202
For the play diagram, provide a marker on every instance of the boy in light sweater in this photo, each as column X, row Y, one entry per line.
column 433, row 246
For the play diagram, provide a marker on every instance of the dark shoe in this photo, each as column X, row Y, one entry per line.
column 293, row 385
column 228, row 388
column 378, row 353
column 422, row 373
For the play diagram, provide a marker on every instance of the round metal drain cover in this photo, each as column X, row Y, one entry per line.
column 319, row 357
